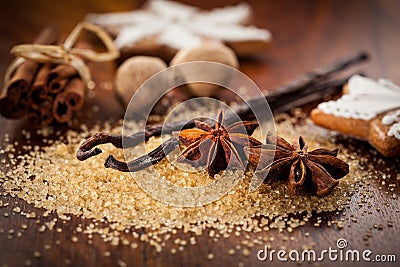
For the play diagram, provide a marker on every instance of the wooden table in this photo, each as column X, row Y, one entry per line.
column 306, row 34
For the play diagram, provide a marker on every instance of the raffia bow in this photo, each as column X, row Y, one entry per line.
column 65, row 53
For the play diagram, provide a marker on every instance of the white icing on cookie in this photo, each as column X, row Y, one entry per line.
column 395, row 131
column 393, row 118
column 366, row 99
column 389, row 84
column 180, row 26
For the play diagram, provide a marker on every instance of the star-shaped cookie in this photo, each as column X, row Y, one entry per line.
column 162, row 27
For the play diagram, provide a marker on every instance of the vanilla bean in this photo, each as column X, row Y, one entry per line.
column 88, row 147
column 320, row 74
column 282, row 103
column 308, row 88
column 309, row 98
column 144, row 161
column 85, row 151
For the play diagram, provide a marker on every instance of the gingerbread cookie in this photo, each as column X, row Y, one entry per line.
column 163, row 27
column 384, row 133
column 369, row 110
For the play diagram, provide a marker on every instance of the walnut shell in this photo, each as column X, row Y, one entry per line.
column 133, row 73
column 208, row 51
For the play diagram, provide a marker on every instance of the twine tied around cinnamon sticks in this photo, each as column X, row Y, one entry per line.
column 65, row 53
column 47, row 82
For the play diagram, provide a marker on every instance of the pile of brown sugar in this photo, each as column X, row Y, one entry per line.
column 50, row 177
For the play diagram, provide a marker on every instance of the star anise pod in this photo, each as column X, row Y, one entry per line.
column 317, row 170
column 218, row 148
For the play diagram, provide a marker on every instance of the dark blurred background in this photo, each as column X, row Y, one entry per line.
column 307, row 33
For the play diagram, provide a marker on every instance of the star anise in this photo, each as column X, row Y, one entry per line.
column 218, row 148
column 317, row 170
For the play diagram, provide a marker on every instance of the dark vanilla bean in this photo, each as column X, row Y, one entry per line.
column 144, row 161
column 88, row 147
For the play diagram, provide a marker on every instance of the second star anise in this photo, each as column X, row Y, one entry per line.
column 219, row 147
column 317, row 170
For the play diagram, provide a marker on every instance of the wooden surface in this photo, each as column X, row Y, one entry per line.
column 306, row 34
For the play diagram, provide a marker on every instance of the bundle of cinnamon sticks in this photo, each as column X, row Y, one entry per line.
column 43, row 92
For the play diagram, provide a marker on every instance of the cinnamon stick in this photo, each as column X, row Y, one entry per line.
column 71, row 99
column 12, row 104
column 60, row 110
column 46, row 117
column 58, row 77
column 74, row 94
column 38, row 97
column 69, row 87
column 22, row 79
column 34, row 117
column 40, row 100
column 12, row 110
